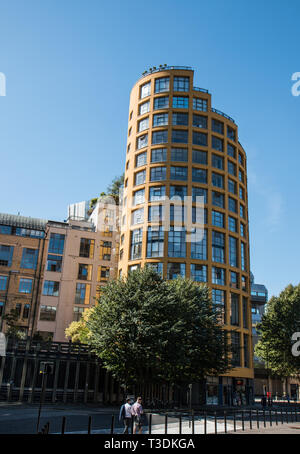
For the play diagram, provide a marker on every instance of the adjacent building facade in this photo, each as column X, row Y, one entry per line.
column 180, row 149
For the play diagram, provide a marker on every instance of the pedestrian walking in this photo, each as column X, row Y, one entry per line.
column 138, row 413
column 263, row 401
column 125, row 415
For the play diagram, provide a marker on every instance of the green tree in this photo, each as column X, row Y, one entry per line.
column 78, row 332
column 13, row 329
column 114, row 188
column 279, row 323
column 166, row 331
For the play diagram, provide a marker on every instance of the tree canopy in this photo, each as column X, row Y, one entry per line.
column 279, row 323
column 167, row 331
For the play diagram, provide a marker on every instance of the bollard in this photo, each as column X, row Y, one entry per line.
column 264, row 415
column 270, row 414
column 250, row 419
column 281, row 416
column 150, row 424
column 287, row 415
column 63, row 425
column 166, row 423
column 225, row 422
column 112, row 424
column 216, row 424
column 90, row 425
column 180, row 425
column 205, row 423
column 257, row 418
column 296, row 414
column 193, row 422
column 276, row 417
column 234, row 420
column 243, row 420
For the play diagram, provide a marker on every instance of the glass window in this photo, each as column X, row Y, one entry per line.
column 218, row 276
column 199, row 192
column 139, row 197
column 233, row 252
column 54, row 263
column 217, row 161
column 198, row 272
column 176, row 270
column 158, row 155
column 232, row 205
column 144, row 108
column 162, row 84
column 155, row 241
column 159, row 137
column 217, row 144
column 51, row 288
column 136, row 244
column 179, row 173
column 241, row 193
column 179, row 154
column 232, row 224
column 218, row 247
column 140, row 177
column 176, row 243
column 29, row 258
column 156, row 213
column 199, row 121
column 77, row 313
column 3, row 283
column 56, row 243
column 87, row 246
column 243, row 256
column 26, row 311
column 82, row 295
column 160, row 119
column 236, row 348
column 142, row 141
column 199, row 244
column 231, row 186
column 179, row 136
column 234, row 312
column 217, row 219
column 217, row 180
column 217, row 126
column 241, row 159
column 181, row 102
column 199, row 138
column 246, row 350
column 145, row 90
column 48, row 313
column 178, row 191
column 200, row 104
column 242, row 229
column 242, row 211
column 181, row 83
column 25, row 285
column 5, row 229
column 143, row 124
column 241, row 176
column 234, row 279
column 137, row 216
column 84, row 272
column 180, row 118
column 231, row 168
column 157, row 173
column 231, row 150
column 157, row 193
column 199, row 175
column 230, row 133
column 158, row 267
column 141, row 159
column 161, row 103
column 218, row 199
column 218, row 298
column 199, row 157
column 245, row 312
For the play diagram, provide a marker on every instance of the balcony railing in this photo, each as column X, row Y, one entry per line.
column 165, row 68
column 204, row 90
column 219, row 112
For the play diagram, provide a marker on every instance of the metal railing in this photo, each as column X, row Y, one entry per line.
column 219, row 112
column 193, row 422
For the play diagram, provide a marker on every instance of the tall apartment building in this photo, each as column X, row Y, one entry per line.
column 52, row 271
column 178, row 145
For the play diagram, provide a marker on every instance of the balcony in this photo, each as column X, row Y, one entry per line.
column 219, row 112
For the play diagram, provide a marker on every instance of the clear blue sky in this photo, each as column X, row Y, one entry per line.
column 70, row 66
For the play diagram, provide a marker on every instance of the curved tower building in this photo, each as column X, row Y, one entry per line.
column 180, row 149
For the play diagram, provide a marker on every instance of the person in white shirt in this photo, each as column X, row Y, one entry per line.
column 126, row 416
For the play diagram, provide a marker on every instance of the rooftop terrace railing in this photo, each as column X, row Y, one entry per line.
column 219, row 112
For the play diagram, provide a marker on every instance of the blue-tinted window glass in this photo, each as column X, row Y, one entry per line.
column 6, row 254
column 25, row 285
column 29, row 258
column 161, row 103
column 198, row 272
column 3, row 283
column 56, row 243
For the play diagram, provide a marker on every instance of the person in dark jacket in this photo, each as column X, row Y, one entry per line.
column 125, row 415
